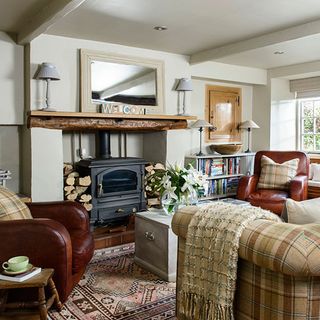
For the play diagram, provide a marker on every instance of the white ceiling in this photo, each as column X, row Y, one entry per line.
column 13, row 13
column 193, row 25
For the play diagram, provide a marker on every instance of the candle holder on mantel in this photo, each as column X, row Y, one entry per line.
column 202, row 124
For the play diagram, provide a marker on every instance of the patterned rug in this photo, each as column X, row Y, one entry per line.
column 114, row 287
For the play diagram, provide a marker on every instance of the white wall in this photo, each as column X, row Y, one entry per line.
column 11, row 81
column 261, row 114
column 9, row 154
column 12, row 107
column 47, row 164
column 283, row 116
column 64, row 53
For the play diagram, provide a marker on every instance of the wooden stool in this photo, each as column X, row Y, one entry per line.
column 39, row 281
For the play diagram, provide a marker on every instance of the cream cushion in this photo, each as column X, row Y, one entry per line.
column 11, row 207
column 303, row 212
column 277, row 175
column 316, row 172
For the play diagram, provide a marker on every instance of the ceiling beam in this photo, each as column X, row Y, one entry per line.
column 292, row 33
column 45, row 18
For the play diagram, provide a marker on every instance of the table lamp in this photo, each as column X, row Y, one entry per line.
column 184, row 85
column 48, row 72
column 202, row 124
column 249, row 124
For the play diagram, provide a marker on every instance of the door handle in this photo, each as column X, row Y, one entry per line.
column 149, row 235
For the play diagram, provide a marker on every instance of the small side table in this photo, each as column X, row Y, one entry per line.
column 40, row 281
column 156, row 244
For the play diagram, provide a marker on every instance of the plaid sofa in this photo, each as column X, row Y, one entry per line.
column 278, row 269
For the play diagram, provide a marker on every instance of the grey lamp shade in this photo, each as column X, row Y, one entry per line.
column 248, row 124
column 48, row 71
column 184, row 84
column 201, row 124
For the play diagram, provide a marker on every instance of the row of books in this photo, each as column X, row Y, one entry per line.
column 222, row 187
column 221, row 166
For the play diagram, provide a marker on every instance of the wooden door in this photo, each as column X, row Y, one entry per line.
column 223, row 110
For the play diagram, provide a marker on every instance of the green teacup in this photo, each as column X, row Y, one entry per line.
column 16, row 263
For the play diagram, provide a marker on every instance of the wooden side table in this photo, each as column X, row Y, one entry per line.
column 40, row 281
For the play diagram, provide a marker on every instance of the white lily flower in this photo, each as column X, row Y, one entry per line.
column 169, row 193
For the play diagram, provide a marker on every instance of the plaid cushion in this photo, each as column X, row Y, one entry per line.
column 277, row 175
column 11, row 207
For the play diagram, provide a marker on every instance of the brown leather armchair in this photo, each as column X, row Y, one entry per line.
column 274, row 200
column 58, row 237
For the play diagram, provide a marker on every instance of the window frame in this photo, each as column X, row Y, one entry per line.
column 300, row 124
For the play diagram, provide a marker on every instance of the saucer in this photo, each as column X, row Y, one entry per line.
column 13, row 273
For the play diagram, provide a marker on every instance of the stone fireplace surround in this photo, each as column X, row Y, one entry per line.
column 47, row 127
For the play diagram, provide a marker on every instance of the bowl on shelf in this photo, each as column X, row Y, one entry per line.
column 226, row 148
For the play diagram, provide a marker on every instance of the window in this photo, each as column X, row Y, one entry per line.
column 310, row 124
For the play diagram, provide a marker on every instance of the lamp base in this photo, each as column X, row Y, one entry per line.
column 199, row 154
column 248, row 151
column 49, row 109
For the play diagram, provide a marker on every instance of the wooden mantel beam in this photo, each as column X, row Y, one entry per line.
column 83, row 121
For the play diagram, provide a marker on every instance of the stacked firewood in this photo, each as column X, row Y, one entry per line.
column 75, row 187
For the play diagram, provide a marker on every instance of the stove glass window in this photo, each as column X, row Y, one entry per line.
column 119, row 181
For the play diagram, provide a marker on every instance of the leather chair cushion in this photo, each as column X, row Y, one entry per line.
column 82, row 249
column 266, row 195
column 11, row 207
column 272, row 200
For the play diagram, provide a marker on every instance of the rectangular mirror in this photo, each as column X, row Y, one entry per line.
column 120, row 81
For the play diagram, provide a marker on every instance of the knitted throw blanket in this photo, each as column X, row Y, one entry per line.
column 211, row 255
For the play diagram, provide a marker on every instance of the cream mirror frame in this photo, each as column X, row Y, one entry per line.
column 87, row 57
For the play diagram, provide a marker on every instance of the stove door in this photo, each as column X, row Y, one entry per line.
column 119, row 181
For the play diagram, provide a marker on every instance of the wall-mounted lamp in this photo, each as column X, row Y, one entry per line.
column 184, row 85
column 48, row 72
column 248, row 124
column 202, row 124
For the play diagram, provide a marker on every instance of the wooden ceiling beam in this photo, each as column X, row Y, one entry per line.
column 292, row 33
column 44, row 19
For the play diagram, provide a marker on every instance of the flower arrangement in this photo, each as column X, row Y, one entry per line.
column 174, row 185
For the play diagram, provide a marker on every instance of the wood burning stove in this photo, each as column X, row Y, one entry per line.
column 117, row 187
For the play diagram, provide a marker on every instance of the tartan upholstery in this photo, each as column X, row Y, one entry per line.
column 11, row 207
column 277, row 175
column 278, row 269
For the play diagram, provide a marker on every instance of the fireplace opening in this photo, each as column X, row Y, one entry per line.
column 117, row 187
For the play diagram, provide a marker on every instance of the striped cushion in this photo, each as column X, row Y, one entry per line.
column 11, row 207
column 277, row 175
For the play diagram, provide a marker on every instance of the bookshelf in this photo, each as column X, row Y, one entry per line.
column 223, row 172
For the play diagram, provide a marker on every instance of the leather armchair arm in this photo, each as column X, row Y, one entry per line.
column 70, row 214
column 299, row 188
column 247, row 185
column 46, row 242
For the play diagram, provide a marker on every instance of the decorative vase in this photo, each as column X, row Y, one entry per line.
column 169, row 204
